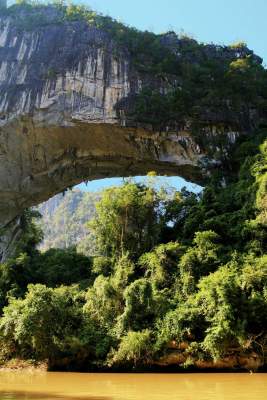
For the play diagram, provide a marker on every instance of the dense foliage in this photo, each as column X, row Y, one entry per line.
column 211, row 92
column 173, row 272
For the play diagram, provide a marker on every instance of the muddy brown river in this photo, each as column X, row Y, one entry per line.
column 184, row 386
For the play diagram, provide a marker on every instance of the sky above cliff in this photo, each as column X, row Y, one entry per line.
column 218, row 21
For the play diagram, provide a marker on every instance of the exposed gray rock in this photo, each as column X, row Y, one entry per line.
column 60, row 86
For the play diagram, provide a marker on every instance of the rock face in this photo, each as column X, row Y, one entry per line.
column 60, row 124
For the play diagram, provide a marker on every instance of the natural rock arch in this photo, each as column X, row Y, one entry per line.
column 64, row 92
column 38, row 162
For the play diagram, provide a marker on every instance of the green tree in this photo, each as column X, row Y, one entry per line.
column 161, row 264
column 135, row 349
column 127, row 220
column 50, row 324
column 199, row 260
column 139, row 311
column 103, row 302
column 62, row 267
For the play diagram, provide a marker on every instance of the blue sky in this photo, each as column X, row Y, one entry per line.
column 176, row 182
column 217, row 21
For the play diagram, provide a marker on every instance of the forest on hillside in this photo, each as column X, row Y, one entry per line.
column 176, row 278
column 65, row 218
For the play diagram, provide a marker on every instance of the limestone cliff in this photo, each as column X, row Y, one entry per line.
column 67, row 90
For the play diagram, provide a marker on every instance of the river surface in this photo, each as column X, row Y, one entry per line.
column 198, row 386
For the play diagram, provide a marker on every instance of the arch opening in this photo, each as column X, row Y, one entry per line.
column 65, row 216
column 44, row 161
